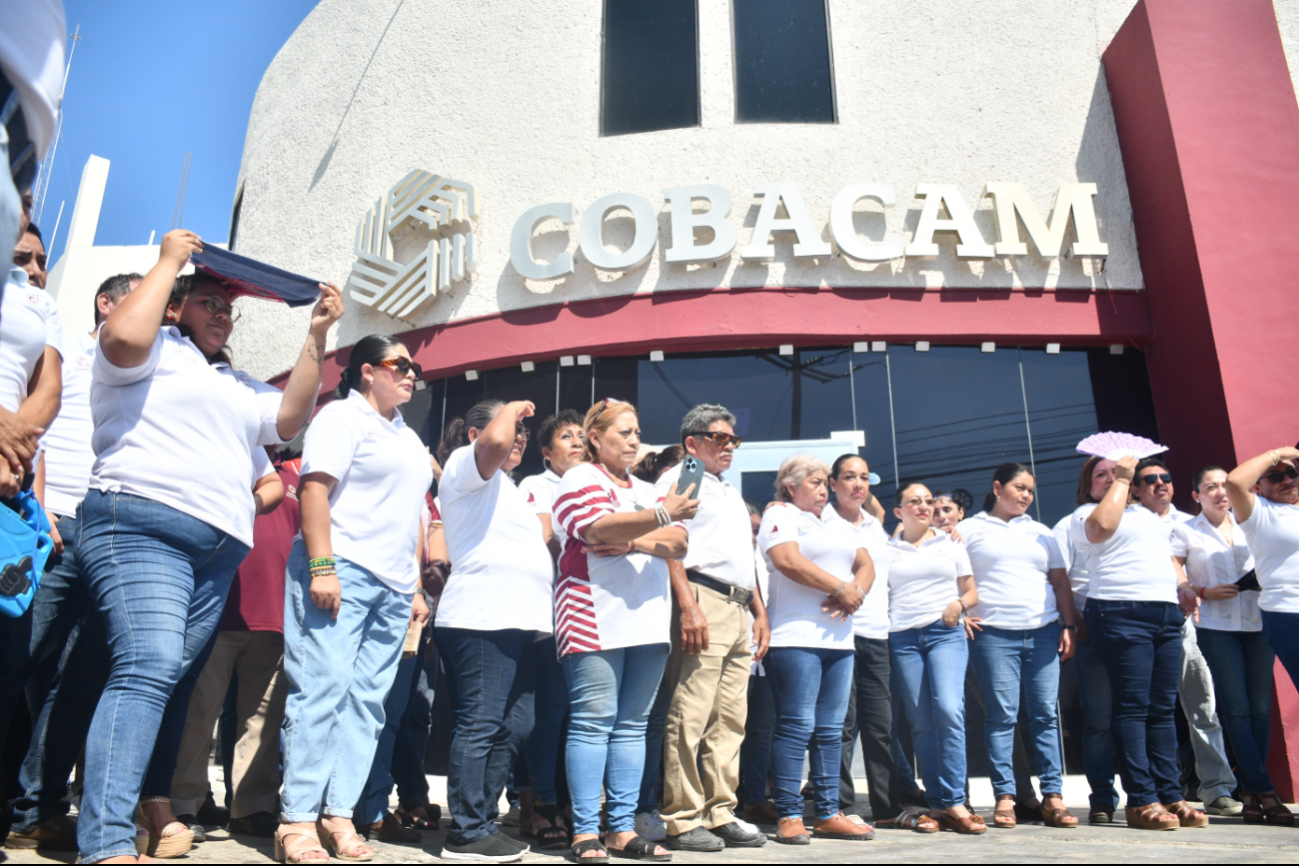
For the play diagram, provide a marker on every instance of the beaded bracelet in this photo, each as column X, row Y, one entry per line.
column 661, row 514
column 322, row 561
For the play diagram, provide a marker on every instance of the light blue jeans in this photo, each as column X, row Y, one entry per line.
column 340, row 672
column 930, row 664
column 610, row 694
column 159, row 580
column 1009, row 663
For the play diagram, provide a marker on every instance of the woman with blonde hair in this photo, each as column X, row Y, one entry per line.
column 612, row 614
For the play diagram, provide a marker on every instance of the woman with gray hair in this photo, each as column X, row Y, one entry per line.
column 819, row 578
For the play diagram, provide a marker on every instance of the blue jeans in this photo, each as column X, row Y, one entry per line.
column 1282, row 630
column 1241, row 664
column 166, row 750
column 610, row 695
column 1141, row 643
column 486, row 671
column 340, row 672
column 550, row 709
column 755, row 754
column 373, row 804
column 159, row 579
column 69, row 668
column 1008, row 662
column 930, row 666
column 810, row 686
column 1098, row 745
column 412, row 737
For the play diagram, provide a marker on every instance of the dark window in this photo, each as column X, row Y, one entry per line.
column 651, row 66
column 783, row 72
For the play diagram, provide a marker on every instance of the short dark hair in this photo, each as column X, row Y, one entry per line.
column 556, row 422
column 116, row 287
column 1199, row 476
column 837, row 466
column 1004, row 474
column 33, row 229
column 1146, row 462
column 899, row 495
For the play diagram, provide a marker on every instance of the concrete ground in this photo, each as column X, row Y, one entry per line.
column 1226, row 840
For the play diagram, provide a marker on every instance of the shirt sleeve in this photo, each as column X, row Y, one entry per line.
column 262, row 465
column 582, row 500
column 269, row 399
column 330, row 444
column 1061, row 533
column 461, row 475
column 778, row 527
column 962, row 560
column 53, row 326
column 1054, row 555
column 1078, row 529
column 105, row 371
column 1181, row 540
column 536, row 495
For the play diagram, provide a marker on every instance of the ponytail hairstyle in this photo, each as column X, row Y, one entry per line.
column 655, row 463
column 600, row 418
column 1004, row 474
column 368, row 350
column 456, row 435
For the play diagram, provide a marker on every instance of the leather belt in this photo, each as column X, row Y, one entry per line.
column 734, row 594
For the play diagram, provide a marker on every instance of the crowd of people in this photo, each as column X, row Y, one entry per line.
column 637, row 655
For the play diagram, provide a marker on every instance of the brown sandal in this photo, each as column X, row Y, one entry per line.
column 1005, row 820
column 920, row 822
column 969, row 825
column 1152, row 816
column 1274, row 811
column 1061, row 819
column 1187, row 816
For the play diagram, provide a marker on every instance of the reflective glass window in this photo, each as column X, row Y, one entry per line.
column 650, row 66
column 783, row 69
column 1061, row 414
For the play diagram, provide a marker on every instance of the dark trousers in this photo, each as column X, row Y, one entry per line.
column 1141, row 644
column 1241, row 664
column 755, row 753
column 412, row 736
column 870, row 714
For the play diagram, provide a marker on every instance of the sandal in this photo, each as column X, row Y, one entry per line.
column 409, row 814
column 580, row 848
column 1060, row 819
column 1028, row 812
column 345, row 848
column 920, row 822
column 555, row 835
column 174, row 840
column 640, row 849
column 968, row 825
column 1250, row 810
column 389, row 829
column 1187, row 816
column 286, row 853
column 1005, row 819
column 1276, row 812
column 1152, row 816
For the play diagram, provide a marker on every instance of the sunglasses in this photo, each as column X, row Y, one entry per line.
column 1281, row 475
column 1155, row 476
column 719, row 438
column 917, row 501
column 607, row 402
column 218, row 307
column 402, row 366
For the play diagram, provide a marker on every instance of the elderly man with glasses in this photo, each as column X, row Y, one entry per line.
column 708, row 670
column 1153, row 486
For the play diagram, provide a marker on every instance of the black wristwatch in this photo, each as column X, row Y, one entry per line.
column 1072, row 628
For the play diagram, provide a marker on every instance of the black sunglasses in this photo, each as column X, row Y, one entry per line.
column 1156, row 476
column 1281, row 475
column 718, row 437
column 402, row 366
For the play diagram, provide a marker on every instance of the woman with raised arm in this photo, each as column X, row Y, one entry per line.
column 169, row 514
column 1026, row 625
column 612, row 613
column 1137, row 599
column 492, row 619
column 931, row 587
column 351, row 592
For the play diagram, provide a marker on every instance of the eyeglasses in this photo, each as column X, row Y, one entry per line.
column 1281, row 475
column 918, row 501
column 521, row 432
column 402, row 366
column 718, row 437
column 1155, row 476
column 607, row 402
column 218, row 307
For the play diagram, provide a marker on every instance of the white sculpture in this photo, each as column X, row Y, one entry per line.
column 420, row 199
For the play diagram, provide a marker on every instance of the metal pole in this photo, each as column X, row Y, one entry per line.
column 893, row 426
column 1023, row 391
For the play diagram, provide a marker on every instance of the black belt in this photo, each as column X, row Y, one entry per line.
column 742, row 597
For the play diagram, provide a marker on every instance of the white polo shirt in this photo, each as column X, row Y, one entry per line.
column 181, row 431
column 68, row 455
column 1273, row 534
column 794, row 610
column 1074, row 563
column 501, row 572
column 1211, row 561
column 1010, row 561
column 872, row 619
column 539, row 492
column 923, row 579
column 721, row 537
column 1134, row 564
column 29, row 321
column 382, row 469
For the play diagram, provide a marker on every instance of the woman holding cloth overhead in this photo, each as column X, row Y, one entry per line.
column 1024, row 626
column 163, row 532
column 350, row 594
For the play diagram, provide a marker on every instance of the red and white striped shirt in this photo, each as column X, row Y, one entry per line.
column 606, row 602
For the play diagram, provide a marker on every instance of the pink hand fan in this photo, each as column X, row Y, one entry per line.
column 1112, row 446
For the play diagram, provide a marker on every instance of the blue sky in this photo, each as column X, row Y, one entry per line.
column 152, row 79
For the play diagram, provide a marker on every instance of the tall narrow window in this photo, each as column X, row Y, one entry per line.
column 783, row 69
column 651, row 66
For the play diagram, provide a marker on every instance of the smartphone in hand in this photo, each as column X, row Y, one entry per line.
column 692, row 472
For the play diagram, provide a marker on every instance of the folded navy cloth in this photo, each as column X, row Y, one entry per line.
column 245, row 276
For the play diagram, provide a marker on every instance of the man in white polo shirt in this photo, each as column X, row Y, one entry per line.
column 708, row 670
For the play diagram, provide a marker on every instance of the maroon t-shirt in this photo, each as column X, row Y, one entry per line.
column 256, row 600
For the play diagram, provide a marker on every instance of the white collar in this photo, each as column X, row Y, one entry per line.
column 17, row 276
column 994, row 520
column 357, row 399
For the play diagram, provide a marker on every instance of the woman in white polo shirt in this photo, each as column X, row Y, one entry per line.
column 493, row 615
column 169, row 514
column 1026, row 625
column 931, row 587
column 1229, row 632
column 612, row 608
column 1137, row 599
column 820, row 576
column 350, row 593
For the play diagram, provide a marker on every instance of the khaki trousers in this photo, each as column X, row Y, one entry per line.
column 705, row 722
column 258, row 658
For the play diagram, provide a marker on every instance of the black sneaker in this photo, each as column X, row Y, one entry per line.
column 735, row 836
column 212, row 815
column 494, row 848
column 260, row 824
column 517, row 843
column 698, row 840
column 1100, row 816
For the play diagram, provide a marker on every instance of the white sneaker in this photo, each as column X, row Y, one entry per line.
column 651, row 826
